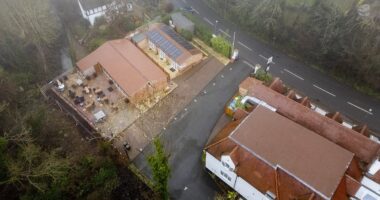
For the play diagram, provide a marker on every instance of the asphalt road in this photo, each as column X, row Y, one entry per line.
column 187, row 134
column 306, row 80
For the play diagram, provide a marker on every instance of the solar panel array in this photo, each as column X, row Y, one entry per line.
column 176, row 37
column 166, row 46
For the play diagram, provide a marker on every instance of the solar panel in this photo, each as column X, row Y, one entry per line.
column 166, row 46
column 176, row 37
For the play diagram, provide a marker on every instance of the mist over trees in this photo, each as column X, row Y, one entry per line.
column 42, row 152
column 331, row 34
column 31, row 23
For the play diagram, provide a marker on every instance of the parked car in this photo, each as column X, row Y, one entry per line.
column 188, row 9
column 235, row 55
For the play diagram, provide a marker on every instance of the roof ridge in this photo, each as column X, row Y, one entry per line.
column 215, row 143
column 126, row 59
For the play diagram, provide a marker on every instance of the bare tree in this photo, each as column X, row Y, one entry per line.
column 33, row 166
column 33, row 21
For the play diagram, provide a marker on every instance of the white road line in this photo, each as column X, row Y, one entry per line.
column 316, row 86
column 225, row 32
column 360, row 108
column 208, row 21
column 244, row 45
column 263, row 57
column 249, row 64
column 294, row 74
column 195, row 10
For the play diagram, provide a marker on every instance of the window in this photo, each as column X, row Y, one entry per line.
column 162, row 55
column 151, row 45
column 226, row 165
column 225, row 175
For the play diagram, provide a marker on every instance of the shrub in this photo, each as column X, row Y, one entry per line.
column 221, row 45
column 263, row 76
column 165, row 19
column 203, row 33
column 168, row 7
column 159, row 164
column 95, row 43
column 186, row 34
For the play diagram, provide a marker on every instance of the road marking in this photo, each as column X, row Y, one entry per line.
column 195, row 10
column 316, row 86
column 360, row 108
column 208, row 21
column 293, row 74
column 249, row 64
column 263, row 57
column 225, row 33
column 244, row 45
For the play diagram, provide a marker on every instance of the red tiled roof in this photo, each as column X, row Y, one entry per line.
column 364, row 148
column 279, row 142
column 130, row 68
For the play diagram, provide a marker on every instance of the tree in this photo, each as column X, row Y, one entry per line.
column 159, row 164
column 168, row 7
column 33, row 166
column 32, row 22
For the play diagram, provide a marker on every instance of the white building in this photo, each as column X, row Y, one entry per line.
column 266, row 156
column 92, row 9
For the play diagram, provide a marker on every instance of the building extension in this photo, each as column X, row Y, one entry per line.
column 172, row 47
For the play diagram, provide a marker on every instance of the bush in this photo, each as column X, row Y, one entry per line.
column 263, row 76
column 159, row 164
column 168, row 7
column 95, row 43
column 203, row 33
column 186, row 34
column 165, row 19
column 221, row 46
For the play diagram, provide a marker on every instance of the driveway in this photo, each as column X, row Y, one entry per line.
column 187, row 134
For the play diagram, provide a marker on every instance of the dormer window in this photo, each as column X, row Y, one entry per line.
column 226, row 165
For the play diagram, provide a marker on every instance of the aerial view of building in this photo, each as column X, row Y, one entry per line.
column 92, row 9
column 108, row 88
column 190, row 99
column 173, row 52
column 280, row 148
column 134, row 73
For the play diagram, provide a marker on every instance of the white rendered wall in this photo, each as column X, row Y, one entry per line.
column 91, row 18
column 240, row 185
column 216, row 167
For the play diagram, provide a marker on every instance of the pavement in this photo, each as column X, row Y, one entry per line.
column 306, row 80
column 186, row 135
